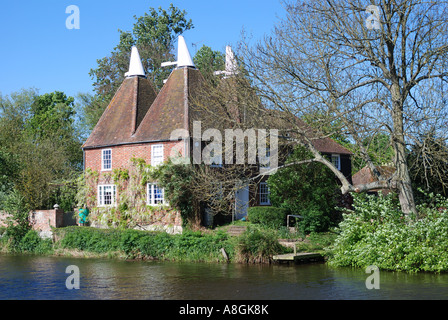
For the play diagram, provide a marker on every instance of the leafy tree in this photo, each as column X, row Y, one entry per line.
column 308, row 190
column 176, row 179
column 15, row 205
column 208, row 61
column 39, row 144
column 51, row 113
column 154, row 34
column 8, row 173
column 89, row 108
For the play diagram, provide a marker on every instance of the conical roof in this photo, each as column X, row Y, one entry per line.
column 183, row 55
column 171, row 110
column 124, row 114
column 135, row 65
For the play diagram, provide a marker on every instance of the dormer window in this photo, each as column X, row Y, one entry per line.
column 106, row 159
column 336, row 160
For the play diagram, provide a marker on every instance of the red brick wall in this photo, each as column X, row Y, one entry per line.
column 121, row 155
column 41, row 220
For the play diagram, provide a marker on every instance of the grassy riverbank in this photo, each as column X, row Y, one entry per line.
column 375, row 233
column 256, row 245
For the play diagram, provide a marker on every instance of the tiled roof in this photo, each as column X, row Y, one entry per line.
column 136, row 115
column 365, row 175
column 171, row 110
column 123, row 114
column 323, row 144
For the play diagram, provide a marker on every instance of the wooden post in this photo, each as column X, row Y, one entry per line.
column 223, row 251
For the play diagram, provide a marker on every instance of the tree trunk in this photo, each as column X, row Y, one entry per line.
column 402, row 179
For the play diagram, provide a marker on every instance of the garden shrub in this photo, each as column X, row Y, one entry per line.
column 89, row 239
column 377, row 233
column 257, row 245
column 271, row 217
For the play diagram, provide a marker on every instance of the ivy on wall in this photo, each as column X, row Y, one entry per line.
column 131, row 209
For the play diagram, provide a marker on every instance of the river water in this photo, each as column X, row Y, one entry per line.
column 25, row 277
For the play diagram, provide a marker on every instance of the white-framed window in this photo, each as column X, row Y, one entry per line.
column 336, row 160
column 107, row 194
column 265, row 161
column 156, row 154
column 264, row 193
column 155, row 195
column 106, row 159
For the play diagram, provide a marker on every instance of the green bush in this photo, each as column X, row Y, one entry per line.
column 271, row 217
column 377, row 233
column 309, row 190
column 33, row 243
column 257, row 245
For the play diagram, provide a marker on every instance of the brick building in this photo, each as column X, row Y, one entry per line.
column 139, row 123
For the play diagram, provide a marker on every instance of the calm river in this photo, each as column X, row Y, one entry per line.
column 36, row 277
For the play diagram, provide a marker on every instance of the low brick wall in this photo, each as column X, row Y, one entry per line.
column 40, row 220
column 44, row 220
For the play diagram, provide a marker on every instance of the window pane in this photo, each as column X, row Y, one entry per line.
column 107, row 159
column 156, row 155
column 155, row 194
column 149, row 193
column 264, row 193
column 336, row 161
column 100, row 196
column 106, row 195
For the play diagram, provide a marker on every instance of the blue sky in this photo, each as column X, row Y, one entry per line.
column 37, row 50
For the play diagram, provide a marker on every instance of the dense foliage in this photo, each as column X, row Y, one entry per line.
column 258, row 245
column 134, row 244
column 39, row 146
column 271, row 217
column 308, row 189
column 377, row 233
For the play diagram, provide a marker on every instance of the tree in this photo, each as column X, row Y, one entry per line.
column 154, row 34
column 39, row 143
column 376, row 78
column 209, row 61
column 309, row 190
column 428, row 163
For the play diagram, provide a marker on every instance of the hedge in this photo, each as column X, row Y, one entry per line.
column 271, row 217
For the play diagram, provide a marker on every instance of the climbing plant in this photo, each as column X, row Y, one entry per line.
column 131, row 209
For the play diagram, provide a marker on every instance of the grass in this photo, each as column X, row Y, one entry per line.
column 256, row 245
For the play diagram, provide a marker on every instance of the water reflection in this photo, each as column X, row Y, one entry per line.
column 31, row 277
